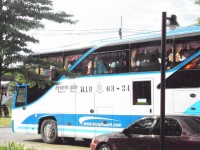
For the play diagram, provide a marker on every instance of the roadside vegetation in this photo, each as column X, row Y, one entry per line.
column 14, row 146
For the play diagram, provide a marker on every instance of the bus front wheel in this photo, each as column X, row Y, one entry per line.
column 49, row 131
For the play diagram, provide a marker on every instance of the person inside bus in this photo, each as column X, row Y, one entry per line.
column 185, row 53
column 134, row 62
column 100, row 66
column 174, row 59
column 89, row 68
column 112, row 65
column 151, row 63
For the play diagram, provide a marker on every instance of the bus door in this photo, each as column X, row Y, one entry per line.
column 142, row 97
column 85, row 114
column 20, row 112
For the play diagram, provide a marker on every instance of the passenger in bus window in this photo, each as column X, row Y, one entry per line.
column 100, row 66
column 112, row 65
column 150, row 64
column 171, row 60
column 89, row 68
column 185, row 53
column 154, row 63
column 123, row 64
column 134, row 62
column 133, row 54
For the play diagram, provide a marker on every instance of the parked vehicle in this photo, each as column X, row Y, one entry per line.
column 181, row 133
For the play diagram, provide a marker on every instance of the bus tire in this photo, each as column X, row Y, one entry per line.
column 49, row 131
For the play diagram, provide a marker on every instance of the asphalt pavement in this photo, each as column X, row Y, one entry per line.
column 35, row 141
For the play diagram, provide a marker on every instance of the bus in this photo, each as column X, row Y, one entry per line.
column 119, row 83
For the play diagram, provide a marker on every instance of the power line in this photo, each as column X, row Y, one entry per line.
column 84, row 32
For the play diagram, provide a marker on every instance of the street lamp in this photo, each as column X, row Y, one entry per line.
column 172, row 24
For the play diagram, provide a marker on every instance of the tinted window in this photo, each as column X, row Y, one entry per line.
column 35, row 92
column 141, row 127
column 141, row 92
column 145, row 59
column 104, row 63
column 172, row 127
column 193, row 123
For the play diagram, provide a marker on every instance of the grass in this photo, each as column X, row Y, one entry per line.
column 13, row 146
column 6, row 121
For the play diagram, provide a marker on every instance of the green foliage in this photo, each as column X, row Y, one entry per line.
column 197, row 1
column 198, row 19
column 6, row 121
column 13, row 146
column 16, row 18
column 27, row 74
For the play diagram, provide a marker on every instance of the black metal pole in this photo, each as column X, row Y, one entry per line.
column 162, row 103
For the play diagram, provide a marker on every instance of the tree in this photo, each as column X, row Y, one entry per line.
column 198, row 3
column 16, row 18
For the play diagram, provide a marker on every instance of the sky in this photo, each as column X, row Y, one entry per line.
column 101, row 19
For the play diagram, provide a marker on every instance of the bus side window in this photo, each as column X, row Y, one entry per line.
column 85, row 67
column 141, row 92
column 144, row 61
column 111, row 62
column 104, row 63
column 34, row 93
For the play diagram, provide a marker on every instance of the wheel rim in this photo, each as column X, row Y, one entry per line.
column 49, row 131
column 104, row 147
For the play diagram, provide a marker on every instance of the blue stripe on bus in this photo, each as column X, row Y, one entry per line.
column 60, row 129
column 194, row 109
column 86, row 120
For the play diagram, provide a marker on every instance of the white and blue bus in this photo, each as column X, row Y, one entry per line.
column 119, row 83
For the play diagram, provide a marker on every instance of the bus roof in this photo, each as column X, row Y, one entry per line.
column 143, row 37
column 153, row 36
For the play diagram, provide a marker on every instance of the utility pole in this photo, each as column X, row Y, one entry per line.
column 1, row 49
column 120, row 29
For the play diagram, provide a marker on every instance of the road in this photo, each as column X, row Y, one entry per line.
column 35, row 141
